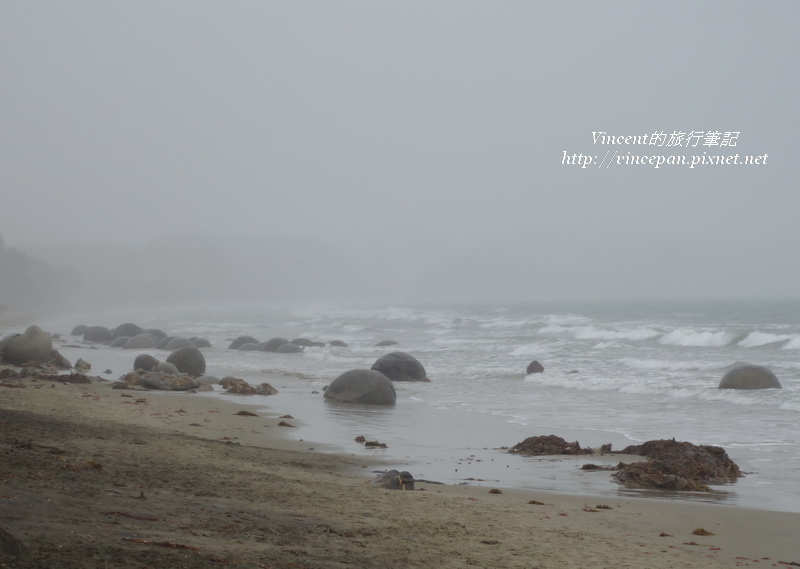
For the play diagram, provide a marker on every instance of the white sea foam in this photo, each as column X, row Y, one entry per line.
column 696, row 338
column 758, row 339
column 793, row 344
column 631, row 334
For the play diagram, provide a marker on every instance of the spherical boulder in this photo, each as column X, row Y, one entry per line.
column 273, row 344
column 158, row 333
column 385, row 343
column 145, row 362
column 250, row 347
column 120, row 342
column 128, row 329
column 302, row 342
column 240, row 341
column 167, row 367
column 188, row 360
column 200, row 342
column 33, row 345
column 79, row 330
column 534, row 367
column 162, row 343
column 176, row 343
column 289, row 348
column 98, row 334
column 400, row 366
column 338, row 344
column 363, row 386
column 141, row 342
column 749, row 376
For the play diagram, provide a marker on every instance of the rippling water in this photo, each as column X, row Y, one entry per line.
column 621, row 373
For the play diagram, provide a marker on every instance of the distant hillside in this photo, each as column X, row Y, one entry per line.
column 27, row 284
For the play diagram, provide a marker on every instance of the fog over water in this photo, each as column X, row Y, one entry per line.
column 249, row 151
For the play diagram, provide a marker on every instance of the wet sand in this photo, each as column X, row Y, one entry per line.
column 97, row 477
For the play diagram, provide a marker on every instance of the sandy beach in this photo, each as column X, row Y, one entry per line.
column 97, row 477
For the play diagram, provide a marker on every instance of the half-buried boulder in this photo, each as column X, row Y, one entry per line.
column 128, row 329
column 141, row 342
column 176, row 343
column 97, row 334
column 364, row 386
column 289, row 348
column 200, row 342
column 534, row 367
column 400, row 366
column 241, row 340
column 188, row 360
column 273, row 344
column 33, row 345
column 749, row 376
column 145, row 362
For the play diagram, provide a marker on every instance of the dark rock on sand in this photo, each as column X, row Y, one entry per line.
column 82, row 365
column 97, row 334
column 33, row 345
column 146, row 362
column 749, row 376
column 289, row 348
column 400, row 366
column 200, row 342
column 188, row 360
column 548, row 445
column 169, row 382
column 142, row 342
column 362, row 386
column 273, row 344
column 237, row 386
column 120, row 342
column 534, row 367
column 241, row 340
column 677, row 465
column 395, row 480
column 59, row 361
column 128, row 329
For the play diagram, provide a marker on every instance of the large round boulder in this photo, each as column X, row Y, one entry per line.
column 98, row 334
column 749, row 376
column 534, row 367
column 157, row 332
column 33, row 345
column 141, row 342
column 79, row 330
column 364, row 386
column 145, row 362
column 241, row 340
column 250, row 347
column 400, row 366
column 273, row 344
column 289, row 348
column 120, row 342
column 200, row 342
column 128, row 329
column 188, row 360
column 176, row 343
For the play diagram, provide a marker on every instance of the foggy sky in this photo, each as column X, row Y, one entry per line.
column 399, row 149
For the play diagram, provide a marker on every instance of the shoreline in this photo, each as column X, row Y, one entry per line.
column 445, row 525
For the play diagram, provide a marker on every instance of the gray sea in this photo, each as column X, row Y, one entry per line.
column 619, row 373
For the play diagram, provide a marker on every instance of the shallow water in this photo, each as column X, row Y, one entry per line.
column 619, row 373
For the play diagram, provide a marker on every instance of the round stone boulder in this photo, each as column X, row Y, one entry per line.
column 146, row 362
column 385, row 343
column 120, row 342
column 242, row 340
column 79, row 330
column 167, row 367
column 158, row 333
column 273, row 344
column 364, row 386
column 188, row 360
column 200, row 342
column 338, row 344
column 250, row 347
column 302, row 342
column 176, row 343
column 98, row 334
column 128, row 329
column 289, row 348
column 33, row 345
column 141, row 342
column 400, row 366
column 749, row 376
column 534, row 367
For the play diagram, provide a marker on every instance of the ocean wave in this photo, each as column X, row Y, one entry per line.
column 632, row 334
column 793, row 344
column 695, row 338
column 758, row 339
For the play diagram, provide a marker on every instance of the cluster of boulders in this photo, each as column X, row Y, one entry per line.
column 133, row 337
column 374, row 386
column 277, row 345
column 671, row 465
